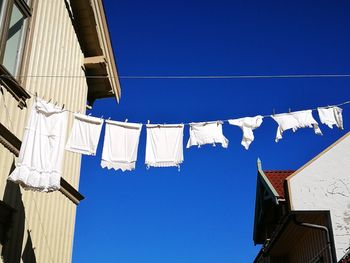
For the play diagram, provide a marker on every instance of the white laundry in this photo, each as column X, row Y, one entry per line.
column 164, row 145
column 39, row 166
column 206, row 133
column 331, row 116
column 120, row 145
column 85, row 134
column 247, row 124
column 295, row 120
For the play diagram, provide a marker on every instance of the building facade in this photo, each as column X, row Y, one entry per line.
column 303, row 216
column 324, row 184
column 48, row 48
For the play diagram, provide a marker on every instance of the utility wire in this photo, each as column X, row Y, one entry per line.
column 288, row 76
column 240, row 76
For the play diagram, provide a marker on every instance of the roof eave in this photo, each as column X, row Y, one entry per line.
column 90, row 23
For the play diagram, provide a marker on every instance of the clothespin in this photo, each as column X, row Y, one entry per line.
column 49, row 100
column 36, row 96
column 148, row 122
column 109, row 118
column 273, row 112
column 102, row 117
column 56, row 103
column 126, row 120
column 89, row 114
column 62, row 106
column 289, row 110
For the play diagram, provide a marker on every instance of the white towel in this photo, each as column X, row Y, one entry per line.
column 164, row 145
column 206, row 133
column 331, row 116
column 295, row 120
column 39, row 166
column 120, row 145
column 85, row 134
column 247, row 124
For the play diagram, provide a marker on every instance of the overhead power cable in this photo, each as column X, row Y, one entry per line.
column 288, row 76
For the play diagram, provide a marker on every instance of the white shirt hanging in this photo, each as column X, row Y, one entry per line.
column 247, row 124
column 331, row 116
column 206, row 133
column 295, row 120
column 164, row 145
column 39, row 166
column 85, row 134
column 120, row 145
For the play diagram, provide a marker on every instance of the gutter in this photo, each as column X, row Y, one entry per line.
column 318, row 227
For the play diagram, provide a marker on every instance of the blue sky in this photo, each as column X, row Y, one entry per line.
column 205, row 212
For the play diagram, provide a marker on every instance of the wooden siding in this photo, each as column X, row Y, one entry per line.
column 44, row 221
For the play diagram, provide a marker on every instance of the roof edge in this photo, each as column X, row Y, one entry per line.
column 267, row 181
column 110, row 51
column 319, row 155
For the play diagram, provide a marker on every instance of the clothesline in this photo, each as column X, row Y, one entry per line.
column 189, row 77
column 185, row 76
column 39, row 166
column 188, row 123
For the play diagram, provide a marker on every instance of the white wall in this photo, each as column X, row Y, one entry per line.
column 324, row 184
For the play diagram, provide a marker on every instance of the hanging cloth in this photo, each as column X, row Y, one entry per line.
column 85, row 134
column 164, row 145
column 120, row 145
column 295, row 120
column 247, row 124
column 206, row 133
column 39, row 166
column 331, row 116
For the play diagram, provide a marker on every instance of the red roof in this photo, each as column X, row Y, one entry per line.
column 277, row 178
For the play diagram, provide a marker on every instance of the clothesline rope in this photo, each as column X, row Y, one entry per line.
column 187, row 76
column 188, row 123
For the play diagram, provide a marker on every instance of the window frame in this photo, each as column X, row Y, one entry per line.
column 6, row 13
column 8, row 80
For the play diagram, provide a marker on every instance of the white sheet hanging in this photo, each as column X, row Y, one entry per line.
column 39, row 166
column 331, row 116
column 120, row 145
column 206, row 133
column 85, row 134
column 247, row 124
column 164, row 145
column 295, row 120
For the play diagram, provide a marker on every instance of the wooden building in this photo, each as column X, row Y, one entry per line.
column 47, row 47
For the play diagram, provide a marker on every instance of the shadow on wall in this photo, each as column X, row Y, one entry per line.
column 12, row 249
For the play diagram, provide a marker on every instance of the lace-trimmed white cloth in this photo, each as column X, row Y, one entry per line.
column 164, row 145
column 39, row 166
column 206, row 133
column 120, row 145
column 85, row 134
column 331, row 116
column 295, row 120
column 247, row 124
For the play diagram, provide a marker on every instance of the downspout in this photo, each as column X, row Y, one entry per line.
column 319, row 227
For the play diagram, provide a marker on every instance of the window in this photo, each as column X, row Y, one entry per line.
column 14, row 16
